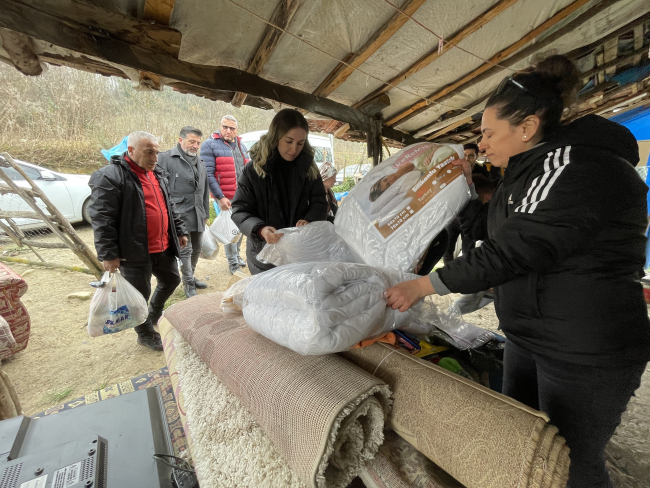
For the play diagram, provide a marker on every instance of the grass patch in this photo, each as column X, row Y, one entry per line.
column 59, row 395
column 177, row 296
column 102, row 386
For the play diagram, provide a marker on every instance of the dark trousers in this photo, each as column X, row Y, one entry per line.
column 584, row 402
column 163, row 266
column 190, row 256
column 453, row 231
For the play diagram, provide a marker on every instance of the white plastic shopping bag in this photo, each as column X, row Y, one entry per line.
column 116, row 306
column 224, row 229
column 209, row 245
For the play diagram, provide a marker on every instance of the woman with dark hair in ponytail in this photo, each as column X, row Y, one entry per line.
column 563, row 245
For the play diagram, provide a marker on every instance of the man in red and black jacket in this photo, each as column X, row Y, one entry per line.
column 225, row 156
column 137, row 227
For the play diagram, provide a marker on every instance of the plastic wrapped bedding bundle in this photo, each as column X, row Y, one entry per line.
column 322, row 308
column 316, row 241
column 393, row 214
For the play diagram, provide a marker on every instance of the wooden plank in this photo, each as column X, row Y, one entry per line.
column 159, row 11
column 497, row 58
column 47, row 26
column 341, row 130
column 615, row 62
column 487, row 70
column 20, row 49
column 11, row 260
column 449, row 128
column 353, row 60
column 83, row 63
column 238, row 100
column 19, row 214
column 281, row 18
column 636, row 23
column 432, row 55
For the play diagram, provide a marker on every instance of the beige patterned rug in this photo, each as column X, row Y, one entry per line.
column 480, row 437
column 323, row 415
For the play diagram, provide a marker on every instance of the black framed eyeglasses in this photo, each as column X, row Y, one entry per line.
column 227, row 127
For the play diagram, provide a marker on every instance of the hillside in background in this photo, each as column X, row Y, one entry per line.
column 63, row 118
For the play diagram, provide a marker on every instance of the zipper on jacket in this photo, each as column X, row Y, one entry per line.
column 162, row 226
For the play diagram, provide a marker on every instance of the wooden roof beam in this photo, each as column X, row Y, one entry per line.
column 342, row 72
column 45, row 25
column 431, row 56
column 20, row 49
column 489, row 69
column 159, row 11
column 281, row 17
column 449, row 128
column 497, row 58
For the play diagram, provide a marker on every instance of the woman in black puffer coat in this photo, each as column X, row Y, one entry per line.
column 281, row 188
column 563, row 245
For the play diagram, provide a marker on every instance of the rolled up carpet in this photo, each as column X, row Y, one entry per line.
column 480, row 437
column 324, row 415
column 228, row 446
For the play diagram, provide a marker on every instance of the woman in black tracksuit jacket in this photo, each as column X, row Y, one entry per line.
column 563, row 245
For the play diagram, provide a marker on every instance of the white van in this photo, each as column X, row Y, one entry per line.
column 323, row 147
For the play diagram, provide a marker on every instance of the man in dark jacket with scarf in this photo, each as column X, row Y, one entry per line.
column 136, row 226
column 188, row 185
column 225, row 156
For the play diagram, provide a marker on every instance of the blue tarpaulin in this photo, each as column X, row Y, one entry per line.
column 638, row 121
column 115, row 150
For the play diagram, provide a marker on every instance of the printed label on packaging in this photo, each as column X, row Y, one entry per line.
column 66, row 477
column 35, row 483
column 394, row 193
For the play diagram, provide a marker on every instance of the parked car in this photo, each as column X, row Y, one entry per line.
column 351, row 170
column 323, row 151
column 69, row 193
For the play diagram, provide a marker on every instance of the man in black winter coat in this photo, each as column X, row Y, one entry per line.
column 137, row 228
column 188, row 186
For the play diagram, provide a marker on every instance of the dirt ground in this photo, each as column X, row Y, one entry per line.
column 62, row 362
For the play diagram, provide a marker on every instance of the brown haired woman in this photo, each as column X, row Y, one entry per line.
column 281, row 188
column 563, row 244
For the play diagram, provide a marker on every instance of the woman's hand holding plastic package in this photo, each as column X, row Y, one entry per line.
column 268, row 233
column 300, row 223
column 467, row 169
column 404, row 295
